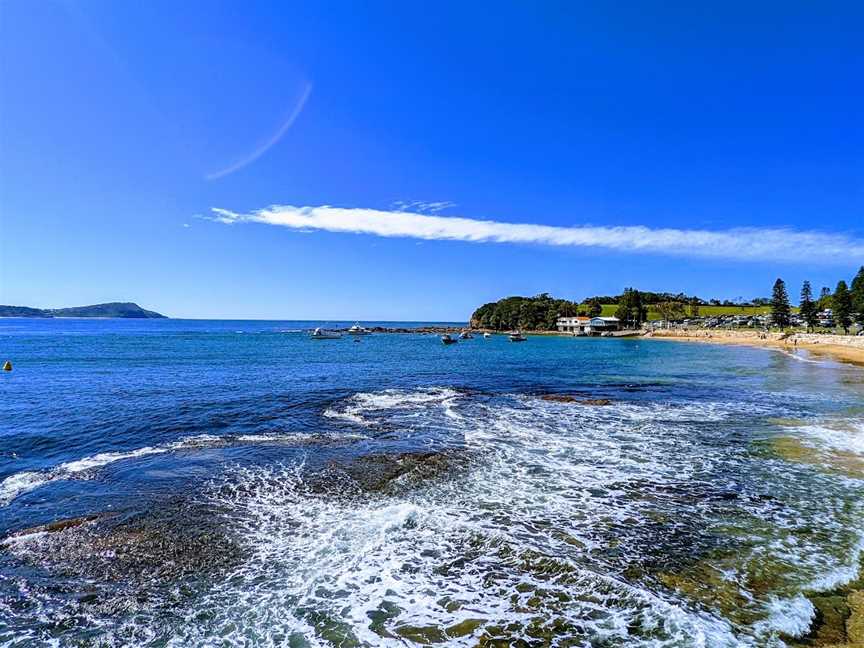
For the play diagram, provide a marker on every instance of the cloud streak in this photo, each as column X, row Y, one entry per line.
column 746, row 244
column 270, row 142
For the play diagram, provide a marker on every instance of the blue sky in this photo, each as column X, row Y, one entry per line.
column 690, row 125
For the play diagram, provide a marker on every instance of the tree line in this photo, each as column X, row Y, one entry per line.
column 846, row 303
column 538, row 313
column 541, row 313
column 652, row 298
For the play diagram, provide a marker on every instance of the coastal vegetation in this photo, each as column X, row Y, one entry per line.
column 538, row 313
column 541, row 312
column 842, row 307
column 780, row 310
column 845, row 305
column 124, row 310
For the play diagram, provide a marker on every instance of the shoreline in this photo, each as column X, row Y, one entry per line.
column 838, row 611
column 843, row 348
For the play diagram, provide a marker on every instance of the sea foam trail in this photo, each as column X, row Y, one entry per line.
column 506, row 545
column 533, row 535
column 361, row 407
column 321, row 570
column 18, row 484
column 526, row 528
column 845, row 435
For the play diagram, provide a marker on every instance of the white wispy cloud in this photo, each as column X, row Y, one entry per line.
column 270, row 142
column 422, row 206
column 754, row 244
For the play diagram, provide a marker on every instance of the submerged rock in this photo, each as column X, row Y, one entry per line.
column 578, row 400
column 153, row 547
column 855, row 622
column 387, row 472
column 794, row 450
column 839, row 618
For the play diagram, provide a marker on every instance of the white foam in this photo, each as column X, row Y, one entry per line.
column 363, row 408
column 548, row 476
column 791, row 616
column 19, row 483
column 350, row 561
column 547, row 481
column 846, row 435
column 833, row 578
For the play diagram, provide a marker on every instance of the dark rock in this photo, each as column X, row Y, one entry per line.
column 567, row 398
column 384, row 472
column 153, row 547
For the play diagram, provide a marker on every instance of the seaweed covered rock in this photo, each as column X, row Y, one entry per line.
column 146, row 547
column 578, row 400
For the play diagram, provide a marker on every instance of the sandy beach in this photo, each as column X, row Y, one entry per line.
column 846, row 348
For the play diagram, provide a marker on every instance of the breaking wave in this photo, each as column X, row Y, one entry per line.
column 20, row 483
column 549, row 535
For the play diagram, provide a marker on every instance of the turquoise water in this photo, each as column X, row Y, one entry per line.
column 236, row 483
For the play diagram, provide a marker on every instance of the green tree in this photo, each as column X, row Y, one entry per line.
column 630, row 309
column 824, row 300
column 807, row 306
column 694, row 307
column 780, row 304
column 594, row 308
column 843, row 305
column 670, row 310
column 858, row 296
column 538, row 313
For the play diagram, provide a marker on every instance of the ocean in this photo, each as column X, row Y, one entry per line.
column 220, row 483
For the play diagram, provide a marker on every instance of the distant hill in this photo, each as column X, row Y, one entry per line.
column 126, row 310
column 22, row 311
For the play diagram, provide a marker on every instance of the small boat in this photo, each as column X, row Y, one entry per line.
column 358, row 330
column 448, row 339
column 516, row 336
column 487, row 335
column 466, row 335
column 321, row 334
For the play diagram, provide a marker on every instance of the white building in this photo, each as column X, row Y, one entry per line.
column 572, row 324
column 603, row 324
column 587, row 325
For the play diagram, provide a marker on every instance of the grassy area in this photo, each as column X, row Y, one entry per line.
column 704, row 311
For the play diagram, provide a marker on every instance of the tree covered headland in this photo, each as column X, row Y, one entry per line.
column 633, row 306
column 538, row 313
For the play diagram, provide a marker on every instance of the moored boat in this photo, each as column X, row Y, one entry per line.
column 448, row 339
column 321, row 334
column 466, row 335
column 517, row 336
column 358, row 330
column 487, row 335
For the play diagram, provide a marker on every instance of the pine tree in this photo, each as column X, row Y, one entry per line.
column 780, row 304
column 824, row 300
column 843, row 305
column 807, row 306
column 858, row 296
column 630, row 307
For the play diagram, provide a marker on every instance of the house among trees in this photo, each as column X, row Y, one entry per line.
column 572, row 324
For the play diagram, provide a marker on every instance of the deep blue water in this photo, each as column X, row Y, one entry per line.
column 393, row 490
